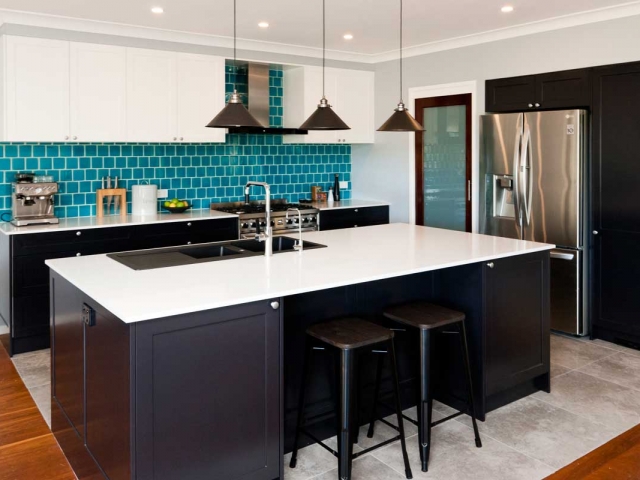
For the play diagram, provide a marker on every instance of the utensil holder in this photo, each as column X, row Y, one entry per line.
column 109, row 193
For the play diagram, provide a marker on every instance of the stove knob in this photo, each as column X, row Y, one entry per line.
column 297, row 220
column 306, row 220
column 273, row 224
column 263, row 224
column 253, row 225
column 312, row 219
column 289, row 222
column 245, row 225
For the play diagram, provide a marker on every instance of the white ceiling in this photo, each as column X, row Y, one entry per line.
column 374, row 23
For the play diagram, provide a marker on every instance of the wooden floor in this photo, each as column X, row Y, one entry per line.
column 28, row 449
column 617, row 460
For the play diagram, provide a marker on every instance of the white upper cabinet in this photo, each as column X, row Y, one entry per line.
column 98, row 93
column 201, row 95
column 349, row 92
column 37, row 90
column 152, row 96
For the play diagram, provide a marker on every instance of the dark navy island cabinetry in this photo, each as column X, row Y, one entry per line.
column 213, row 394
column 24, row 287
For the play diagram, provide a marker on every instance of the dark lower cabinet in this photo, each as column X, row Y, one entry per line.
column 568, row 89
column 25, row 291
column 353, row 217
column 189, row 397
column 616, row 206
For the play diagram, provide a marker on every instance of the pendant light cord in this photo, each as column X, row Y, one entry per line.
column 401, row 93
column 235, row 39
column 324, row 44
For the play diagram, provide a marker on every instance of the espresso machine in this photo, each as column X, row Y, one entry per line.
column 32, row 201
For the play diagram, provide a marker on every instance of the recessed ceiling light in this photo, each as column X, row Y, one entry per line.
column 157, row 10
column 348, row 36
column 507, row 9
column 263, row 25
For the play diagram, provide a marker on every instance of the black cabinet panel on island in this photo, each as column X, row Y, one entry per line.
column 334, row 219
column 26, row 286
column 556, row 90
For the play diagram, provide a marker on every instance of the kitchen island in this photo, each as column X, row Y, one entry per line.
column 193, row 371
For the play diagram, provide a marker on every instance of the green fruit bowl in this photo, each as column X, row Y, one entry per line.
column 177, row 209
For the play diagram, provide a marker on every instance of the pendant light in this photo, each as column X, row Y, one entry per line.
column 401, row 120
column 234, row 114
column 324, row 118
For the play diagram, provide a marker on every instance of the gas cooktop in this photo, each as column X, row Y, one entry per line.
column 241, row 208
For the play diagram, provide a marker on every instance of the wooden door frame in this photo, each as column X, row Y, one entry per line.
column 464, row 99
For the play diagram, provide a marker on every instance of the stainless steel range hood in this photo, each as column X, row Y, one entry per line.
column 258, row 99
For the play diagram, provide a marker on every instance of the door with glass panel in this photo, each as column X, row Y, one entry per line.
column 443, row 162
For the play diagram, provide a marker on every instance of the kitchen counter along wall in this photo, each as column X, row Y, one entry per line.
column 200, row 172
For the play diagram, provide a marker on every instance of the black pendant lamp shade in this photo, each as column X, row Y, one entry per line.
column 234, row 114
column 324, row 118
column 401, row 120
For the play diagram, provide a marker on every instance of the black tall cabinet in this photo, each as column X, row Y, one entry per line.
column 616, row 203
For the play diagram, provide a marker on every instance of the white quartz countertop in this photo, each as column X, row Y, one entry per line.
column 351, row 203
column 355, row 255
column 80, row 223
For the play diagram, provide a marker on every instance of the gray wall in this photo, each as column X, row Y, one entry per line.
column 381, row 171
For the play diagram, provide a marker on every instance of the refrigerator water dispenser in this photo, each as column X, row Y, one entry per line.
column 503, row 196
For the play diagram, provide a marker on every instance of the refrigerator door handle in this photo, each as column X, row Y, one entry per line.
column 527, row 178
column 517, row 204
column 562, row 256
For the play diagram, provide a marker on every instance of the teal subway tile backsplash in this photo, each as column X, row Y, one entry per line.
column 200, row 172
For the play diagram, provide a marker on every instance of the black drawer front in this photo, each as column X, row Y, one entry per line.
column 353, row 217
column 30, row 316
column 181, row 233
column 31, row 275
column 94, row 240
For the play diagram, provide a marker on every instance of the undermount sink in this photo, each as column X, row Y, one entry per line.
column 202, row 253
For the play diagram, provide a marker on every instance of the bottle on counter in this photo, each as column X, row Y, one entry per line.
column 330, row 196
column 336, row 188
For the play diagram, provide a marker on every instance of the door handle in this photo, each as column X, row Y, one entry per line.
column 527, row 180
column 516, row 183
column 562, row 256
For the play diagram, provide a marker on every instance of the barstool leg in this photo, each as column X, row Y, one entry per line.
column 465, row 354
column 356, row 398
column 396, row 390
column 345, row 443
column 306, row 372
column 376, row 393
column 424, row 416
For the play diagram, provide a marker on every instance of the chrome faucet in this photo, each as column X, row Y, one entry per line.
column 298, row 245
column 267, row 235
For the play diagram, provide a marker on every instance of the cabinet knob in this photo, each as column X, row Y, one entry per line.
column 531, row 105
column 75, row 137
column 66, row 137
column 595, row 232
column 491, row 265
column 78, row 234
column 175, row 138
column 537, row 105
column 275, row 305
column 189, row 224
column 355, row 226
column 356, row 210
column 188, row 243
column 78, row 254
column 181, row 138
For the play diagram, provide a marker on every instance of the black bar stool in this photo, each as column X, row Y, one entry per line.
column 348, row 338
column 427, row 317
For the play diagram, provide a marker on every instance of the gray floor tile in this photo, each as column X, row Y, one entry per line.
column 544, row 432
column 620, row 368
column 558, row 370
column 574, row 354
column 384, row 432
column 598, row 400
column 312, row 461
column 454, row 456
column 34, row 368
column 42, row 396
column 365, row 468
column 619, row 348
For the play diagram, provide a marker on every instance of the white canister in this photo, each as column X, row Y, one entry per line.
column 144, row 199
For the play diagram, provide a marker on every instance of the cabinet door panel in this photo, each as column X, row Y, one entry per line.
column 213, row 385
column 30, row 316
column 37, row 89
column 616, row 216
column 201, row 95
column 356, row 107
column 151, row 96
column 98, row 92
column 510, row 94
column 87, row 241
column 570, row 89
column 517, row 320
column 353, row 217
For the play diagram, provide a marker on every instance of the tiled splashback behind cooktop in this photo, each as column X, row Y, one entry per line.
column 203, row 173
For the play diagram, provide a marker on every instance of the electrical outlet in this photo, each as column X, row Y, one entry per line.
column 163, row 193
column 344, row 185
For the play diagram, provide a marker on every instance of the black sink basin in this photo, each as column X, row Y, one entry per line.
column 207, row 252
column 280, row 245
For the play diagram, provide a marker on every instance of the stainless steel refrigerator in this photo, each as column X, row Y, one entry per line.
column 532, row 188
